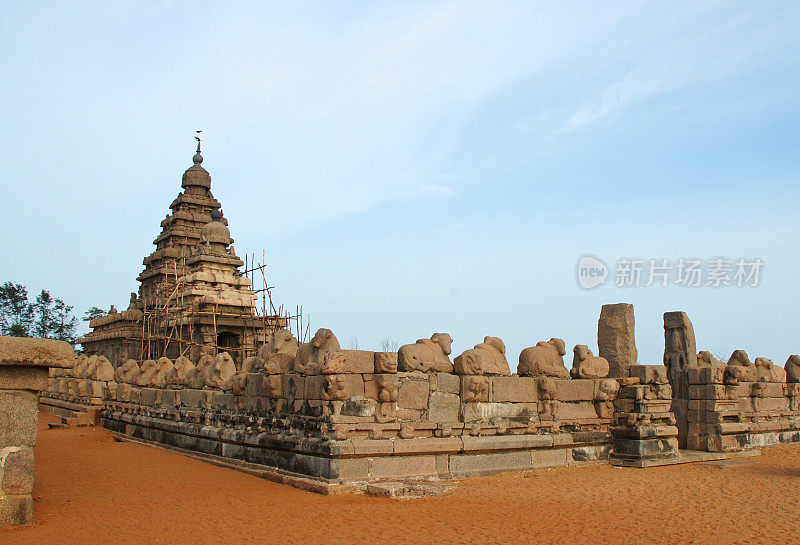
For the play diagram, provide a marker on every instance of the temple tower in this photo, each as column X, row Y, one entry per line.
column 193, row 297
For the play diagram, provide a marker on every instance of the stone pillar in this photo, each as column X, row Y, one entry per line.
column 615, row 338
column 680, row 355
column 680, row 351
column 24, row 367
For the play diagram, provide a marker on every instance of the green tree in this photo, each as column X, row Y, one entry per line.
column 48, row 317
column 16, row 314
column 53, row 318
column 93, row 313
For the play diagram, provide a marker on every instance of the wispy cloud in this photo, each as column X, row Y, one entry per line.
column 634, row 87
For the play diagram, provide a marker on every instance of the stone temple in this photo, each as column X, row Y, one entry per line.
column 193, row 299
column 191, row 365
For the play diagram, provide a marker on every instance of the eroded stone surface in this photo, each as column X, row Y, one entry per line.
column 615, row 338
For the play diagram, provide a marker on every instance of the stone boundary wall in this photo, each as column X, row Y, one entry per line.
column 355, row 417
column 739, row 407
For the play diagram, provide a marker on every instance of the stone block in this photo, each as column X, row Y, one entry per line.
column 771, row 389
column 427, row 445
column 575, row 411
column 16, row 510
column 549, row 457
column 513, row 389
column 772, row 404
column 445, row 383
column 135, row 394
column 382, row 467
column 313, row 387
column 194, row 399
column 371, row 387
column 443, row 407
column 706, row 375
column 575, row 390
column 16, row 470
column 490, row 443
column 149, row 397
column 223, row 400
column 339, row 362
column 408, row 415
column 649, row 374
column 470, row 464
column 169, row 399
column 485, row 412
column 255, row 385
column 412, row 391
column 35, row 352
column 18, row 418
column 97, row 388
column 359, row 406
column 19, row 377
column 293, row 386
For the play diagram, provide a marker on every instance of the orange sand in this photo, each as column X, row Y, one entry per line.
column 91, row 489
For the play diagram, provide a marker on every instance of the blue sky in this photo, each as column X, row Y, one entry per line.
column 415, row 167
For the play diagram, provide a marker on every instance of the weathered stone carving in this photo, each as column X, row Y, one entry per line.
column 218, row 374
column 680, row 351
column 768, row 371
column 387, row 387
column 741, row 359
column 605, row 393
column 476, row 389
column 128, row 373
column 706, row 359
column 547, row 396
column 185, row 371
column 792, row 368
column 310, row 355
column 273, row 386
column 237, row 383
column 165, row 373
column 427, row 355
column 81, row 364
column 100, row 370
column 587, row 365
column 487, row 358
column 544, row 359
column 386, row 412
column 615, row 338
column 251, row 364
column 386, row 362
column 149, row 371
column 283, row 342
column 607, row 390
column 334, row 388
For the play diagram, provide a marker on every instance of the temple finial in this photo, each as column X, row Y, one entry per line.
column 197, row 157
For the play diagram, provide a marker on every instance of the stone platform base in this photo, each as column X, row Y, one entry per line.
column 754, row 440
column 74, row 414
column 330, row 466
column 684, row 457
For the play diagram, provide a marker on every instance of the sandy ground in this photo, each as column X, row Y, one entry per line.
column 91, row 489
